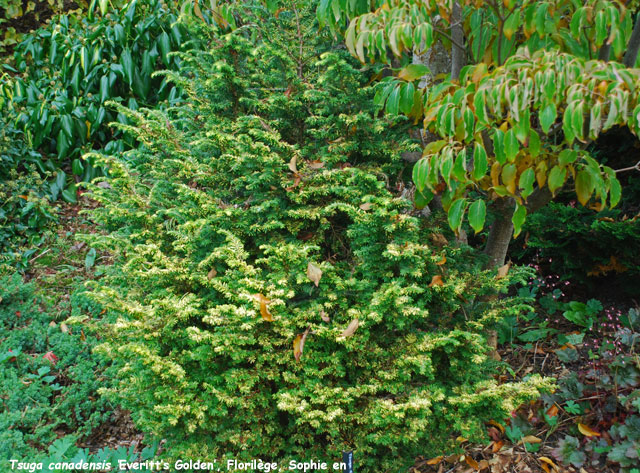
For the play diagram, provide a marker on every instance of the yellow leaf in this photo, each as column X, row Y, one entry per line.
column 436, row 281
column 435, row 461
column 314, row 273
column 461, row 439
column 442, row 261
column 587, row 431
column 495, row 424
column 531, row 439
column 548, row 461
column 264, row 310
column 351, row 328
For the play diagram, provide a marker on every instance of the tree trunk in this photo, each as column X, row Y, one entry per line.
column 500, row 234
column 634, row 45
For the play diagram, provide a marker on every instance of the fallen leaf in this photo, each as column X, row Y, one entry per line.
column 13, row 358
column 212, row 274
column 83, row 337
column 545, row 467
column 52, row 324
column 483, row 465
column 264, row 310
column 438, row 239
column 530, row 439
column 471, row 462
column 64, row 328
column 296, row 182
column 548, row 461
column 292, row 165
column 351, row 328
column 366, row 206
column 552, row 411
column 50, row 356
column 587, row 431
column 316, row 164
column 298, row 344
column 435, row 461
column 324, row 317
column 314, row 273
column 442, row 261
column 496, row 424
column 494, row 434
column 503, row 270
column 436, row 281
column 461, row 439
column 497, row 446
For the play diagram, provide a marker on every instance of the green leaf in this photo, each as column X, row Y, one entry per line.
column 477, row 215
column 548, row 117
column 393, row 103
column 527, row 178
column 165, row 47
column 127, row 64
column 413, row 72
column 406, row 98
column 518, row 219
column 615, row 191
column 456, row 212
column 420, row 173
column 90, row 259
column 534, row 143
column 498, row 146
column 103, row 6
column 567, row 156
column 567, row 124
column 584, row 186
column 556, row 178
column 422, row 199
column 480, row 163
column 577, row 121
column 511, row 146
column 67, row 125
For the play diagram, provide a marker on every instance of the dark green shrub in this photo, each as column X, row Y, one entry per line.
column 62, row 74
column 267, row 213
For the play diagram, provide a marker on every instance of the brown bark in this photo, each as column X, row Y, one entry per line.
column 631, row 55
column 500, row 233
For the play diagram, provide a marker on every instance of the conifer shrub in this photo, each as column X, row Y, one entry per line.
column 275, row 297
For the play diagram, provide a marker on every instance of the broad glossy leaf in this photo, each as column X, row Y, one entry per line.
column 477, row 215
column 511, row 145
column 480, row 163
column 556, row 178
column 413, row 72
column 456, row 212
column 548, row 117
column 584, row 186
column 518, row 219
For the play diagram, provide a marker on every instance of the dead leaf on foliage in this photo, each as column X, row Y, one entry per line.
column 324, row 316
column 264, row 310
column 435, row 461
column 314, row 273
column 296, row 182
column 298, row 344
column 293, row 166
column 64, row 328
column 552, row 411
column 436, row 281
column 316, row 164
column 212, row 274
column 503, row 270
column 438, row 239
column 351, row 328
column 442, row 261
column 587, row 431
column 366, row 206
column 494, row 434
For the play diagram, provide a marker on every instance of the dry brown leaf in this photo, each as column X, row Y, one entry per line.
column 435, row 461
column 316, row 164
column 351, row 328
column 293, row 166
column 314, row 273
column 212, row 274
column 324, row 316
column 530, row 439
column 298, row 344
column 83, row 337
column 51, row 324
column 264, row 310
column 503, row 270
column 436, row 281
column 496, row 446
column 483, row 465
column 296, row 182
column 587, row 431
column 438, row 239
column 471, row 462
column 64, row 328
column 366, row 206
column 552, row 411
